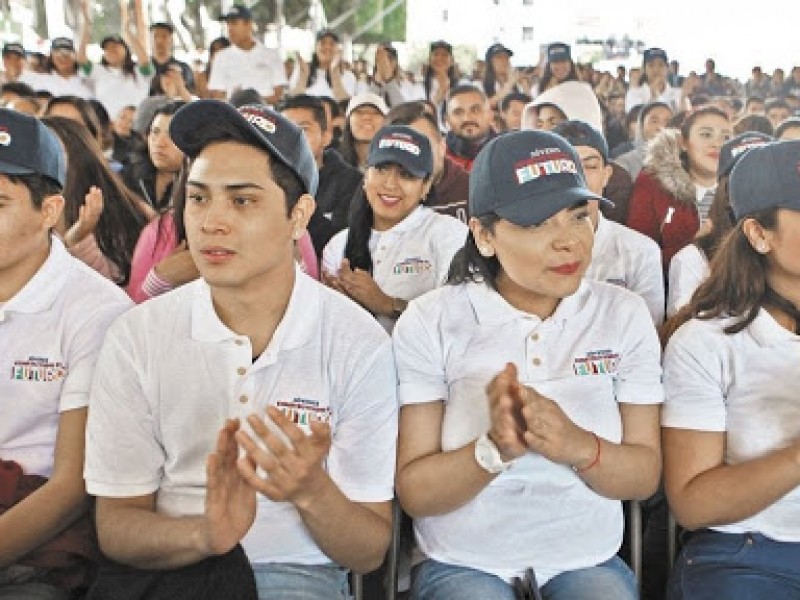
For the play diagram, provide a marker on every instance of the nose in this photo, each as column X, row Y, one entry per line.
column 214, row 218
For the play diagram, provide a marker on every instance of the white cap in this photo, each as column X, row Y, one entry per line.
column 368, row 99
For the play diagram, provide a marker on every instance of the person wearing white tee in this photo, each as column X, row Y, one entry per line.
column 529, row 396
column 246, row 63
column 654, row 84
column 54, row 312
column 731, row 420
column 62, row 78
column 394, row 249
column 620, row 255
column 324, row 75
column 255, row 360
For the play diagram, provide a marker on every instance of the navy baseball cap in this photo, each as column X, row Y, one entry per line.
column 401, row 145
column 441, row 44
column 495, row 49
column 115, row 38
column 734, row 149
column 322, row 33
column 237, row 11
column 13, row 48
column 261, row 126
column 526, row 177
column 653, row 53
column 766, row 177
column 62, row 43
column 28, row 147
column 558, row 51
column 580, row 133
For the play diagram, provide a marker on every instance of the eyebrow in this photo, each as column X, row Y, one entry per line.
column 230, row 186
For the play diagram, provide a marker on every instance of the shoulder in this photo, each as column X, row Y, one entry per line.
column 351, row 328
column 91, row 290
column 633, row 241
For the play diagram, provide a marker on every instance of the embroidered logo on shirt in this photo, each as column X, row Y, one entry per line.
column 38, row 369
column 413, row 266
column 301, row 411
column 597, row 362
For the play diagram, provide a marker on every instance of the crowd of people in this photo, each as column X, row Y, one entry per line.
column 246, row 309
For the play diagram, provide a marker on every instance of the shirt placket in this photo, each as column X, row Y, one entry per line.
column 536, row 359
column 242, row 399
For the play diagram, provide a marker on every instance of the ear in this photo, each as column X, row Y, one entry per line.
column 52, row 207
column 758, row 237
column 483, row 237
column 301, row 214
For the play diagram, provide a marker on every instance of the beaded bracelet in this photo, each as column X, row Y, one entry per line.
column 596, row 457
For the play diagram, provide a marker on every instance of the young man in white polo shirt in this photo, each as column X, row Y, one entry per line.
column 255, row 349
column 54, row 312
column 620, row 255
column 246, row 63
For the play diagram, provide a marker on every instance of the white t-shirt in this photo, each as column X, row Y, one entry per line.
column 598, row 349
column 321, row 87
column 411, row 258
column 259, row 68
column 171, row 372
column 643, row 95
column 116, row 90
column 50, row 335
column 65, row 86
column 745, row 385
column 687, row 270
column 629, row 259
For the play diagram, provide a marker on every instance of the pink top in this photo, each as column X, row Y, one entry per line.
column 152, row 248
column 89, row 252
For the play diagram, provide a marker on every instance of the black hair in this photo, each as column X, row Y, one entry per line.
column 758, row 123
column 547, row 75
column 50, row 67
column 776, row 103
column 85, row 109
column 220, row 41
column 490, row 77
column 39, row 186
column 128, row 66
column 244, row 97
column 466, row 88
column 409, row 112
column 335, row 107
column 469, row 265
column 452, row 75
column 43, row 96
column 18, row 88
column 505, row 103
column 310, row 103
column 106, row 132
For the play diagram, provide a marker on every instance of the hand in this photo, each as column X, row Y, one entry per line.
column 361, row 287
column 504, row 393
column 88, row 216
column 178, row 266
column 336, row 61
column 294, row 471
column 332, row 281
column 230, row 500
column 173, row 84
column 552, row 434
column 302, row 65
column 383, row 66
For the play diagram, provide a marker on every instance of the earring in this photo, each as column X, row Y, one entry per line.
column 762, row 247
column 296, row 234
column 485, row 251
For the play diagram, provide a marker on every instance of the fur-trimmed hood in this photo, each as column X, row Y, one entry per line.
column 663, row 161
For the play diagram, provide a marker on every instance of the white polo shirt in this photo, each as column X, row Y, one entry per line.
column 631, row 260
column 598, row 349
column 115, row 89
column 171, row 372
column 235, row 69
column 321, row 87
column 687, row 270
column 57, row 85
column 745, row 385
column 50, row 335
column 411, row 258
column 643, row 95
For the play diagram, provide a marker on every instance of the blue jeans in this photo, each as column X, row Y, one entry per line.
column 433, row 580
column 715, row 565
column 279, row 581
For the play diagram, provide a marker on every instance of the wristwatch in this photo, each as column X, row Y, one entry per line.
column 488, row 456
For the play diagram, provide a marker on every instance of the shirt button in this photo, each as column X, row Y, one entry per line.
column 239, row 342
column 241, row 370
column 535, row 337
column 243, row 399
column 536, row 362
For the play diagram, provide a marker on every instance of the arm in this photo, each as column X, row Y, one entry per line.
column 337, row 85
column 703, row 491
column 136, row 36
column 642, row 214
column 57, row 504
column 503, row 91
column 277, row 95
column 299, row 78
column 85, row 33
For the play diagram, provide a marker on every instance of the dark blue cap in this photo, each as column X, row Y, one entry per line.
column 441, row 44
column 237, row 11
column 526, row 177
column 558, row 51
column 13, row 48
column 28, row 147
column 580, row 133
column 114, row 37
column 260, row 125
column 653, row 53
column 734, row 149
column 766, row 177
column 62, row 43
column 496, row 49
column 322, row 33
column 401, row 145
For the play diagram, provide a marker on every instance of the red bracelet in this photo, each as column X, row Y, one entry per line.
column 596, row 457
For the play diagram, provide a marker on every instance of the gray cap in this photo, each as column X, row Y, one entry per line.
column 28, row 147
column 766, row 177
column 526, row 177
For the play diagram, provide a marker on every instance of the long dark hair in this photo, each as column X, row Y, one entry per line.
column 722, row 221
column 128, row 64
column 469, row 265
column 427, row 81
column 86, row 111
column 688, row 123
column 120, row 222
column 547, row 76
column 222, row 42
column 347, row 145
column 312, row 72
column 737, row 285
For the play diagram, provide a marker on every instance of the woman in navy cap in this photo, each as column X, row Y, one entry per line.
column 731, row 420
column 559, row 68
column 529, row 395
column 324, row 75
column 394, row 249
column 653, row 86
column 500, row 78
column 61, row 77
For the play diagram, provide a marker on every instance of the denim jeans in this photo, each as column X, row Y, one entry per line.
column 715, row 565
column 279, row 581
column 433, row 580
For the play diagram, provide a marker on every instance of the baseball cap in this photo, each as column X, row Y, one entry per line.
column 441, row 44
column 260, row 125
column 163, row 25
column 404, row 146
column 558, row 51
column 367, row 99
column 495, row 49
column 526, row 177
column 13, row 48
column 237, row 11
column 114, row 37
column 580, row 133
column 653, row 53
column 28, row 147
column 328, row 33
column 734, row 149
column 62, row 43
column 766, row 177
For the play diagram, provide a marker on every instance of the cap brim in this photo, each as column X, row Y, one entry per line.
column 520, row 213
column 8, row 168
column 382, row 160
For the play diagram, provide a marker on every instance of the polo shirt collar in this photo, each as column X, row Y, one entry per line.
column 411, row 222
column 603, row 232
column 294, row 330
column 767, row 332
column 41, row 291
column 492, row 309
